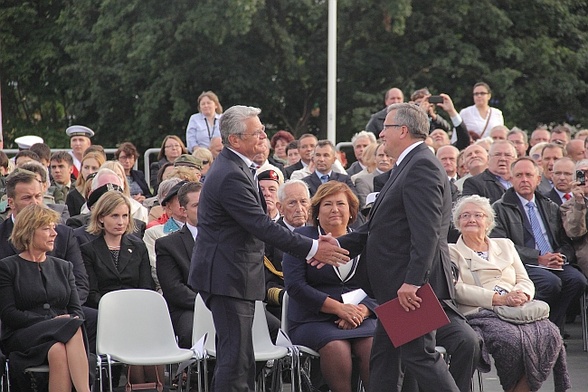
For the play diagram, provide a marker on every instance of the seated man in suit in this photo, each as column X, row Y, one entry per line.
column 495, row 180
column 563, row 177
column 476, row 161
column 173, row 264
column 533, row 223
column 550, row 153
column 48, row 200
column 323, row 158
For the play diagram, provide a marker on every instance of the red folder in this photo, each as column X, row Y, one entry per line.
column 403, row 327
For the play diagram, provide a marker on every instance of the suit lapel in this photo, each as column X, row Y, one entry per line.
column 187, row 240
column 247, row 171
column 125, row 254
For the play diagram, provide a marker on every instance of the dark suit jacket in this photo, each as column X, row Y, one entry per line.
column 484, row 184
column 82, row 220
column 66, row 248
column 292, row 168
column 134, row 271
column 313, row 181
column 407, row 240
column 174, row 253
column 232, row 227
column 512, row 222
column 139, row 178
column 554, row 197
column 380, row 180
column 309, row 287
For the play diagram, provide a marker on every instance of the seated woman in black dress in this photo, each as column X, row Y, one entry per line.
column 116, row 260
column 318, row 317
column 39, row 306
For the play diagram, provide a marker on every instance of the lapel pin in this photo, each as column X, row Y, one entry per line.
column 130, row 251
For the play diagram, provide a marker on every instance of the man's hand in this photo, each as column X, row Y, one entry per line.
column 447, row 105
column 329, row 252
column 408, row 298
column 551, row 260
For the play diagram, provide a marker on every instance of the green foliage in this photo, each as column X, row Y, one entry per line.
column 132, row 70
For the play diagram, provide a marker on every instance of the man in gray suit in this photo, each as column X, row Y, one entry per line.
column 227, row 262
column 405, row 244
column 360, row 141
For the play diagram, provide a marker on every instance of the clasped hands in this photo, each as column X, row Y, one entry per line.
column 551, row 260
column 514, row 298
column 351, row 316
column 329, row 252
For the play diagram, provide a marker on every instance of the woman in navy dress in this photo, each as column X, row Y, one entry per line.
column 318, row 317
column 39, row 307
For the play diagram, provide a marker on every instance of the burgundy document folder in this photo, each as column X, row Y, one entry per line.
column 402, row 326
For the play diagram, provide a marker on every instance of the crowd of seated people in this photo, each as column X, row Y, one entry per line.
column 123, row 230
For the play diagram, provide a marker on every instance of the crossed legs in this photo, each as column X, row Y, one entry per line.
column 68, row 364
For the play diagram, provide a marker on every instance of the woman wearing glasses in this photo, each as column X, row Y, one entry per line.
column 480, row 117
column 491, row 273
column 127, row 155
column 171, row 148
column 204, row 125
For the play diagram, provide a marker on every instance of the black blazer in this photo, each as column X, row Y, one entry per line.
column 405, row 240
column 139, row 178
column 554, row 196
column 380, row 180
column 292, row 168
column 134, row 271
column 313, row 181
column 174, row 253
column 66, row 248
column 484, row 184
column 232, row 228
column 82, row 220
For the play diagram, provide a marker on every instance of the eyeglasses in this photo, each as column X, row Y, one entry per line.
column 503, row 155
column 476, row 216
column 205, row 162
column 173, row 146
column 561, row 173
column 257, row 134
column 480, row 94
column 125, row 157
column 392, row 126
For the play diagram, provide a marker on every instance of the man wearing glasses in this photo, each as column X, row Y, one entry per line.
column 495, row 180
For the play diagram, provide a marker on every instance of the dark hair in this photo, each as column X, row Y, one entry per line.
column 325, row 143
column 281, row 135
column 3, row 160
column 189, row 187
column 331, row 188
column 483, row 85
column 293, row 145
column 19, row 176
column 27, row 153
column 62, row 156
column 128, row 148
column 37, row 167
column 42, row 150
column 95, row 148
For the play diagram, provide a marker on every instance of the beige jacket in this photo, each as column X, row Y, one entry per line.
column 573, row 216
column 503, row 268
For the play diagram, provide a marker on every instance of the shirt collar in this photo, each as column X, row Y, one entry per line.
column 407, row 150
column 247, row 161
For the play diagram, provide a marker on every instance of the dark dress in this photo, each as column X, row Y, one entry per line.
column 74, row 201
column 308, row 288
column 31, row 295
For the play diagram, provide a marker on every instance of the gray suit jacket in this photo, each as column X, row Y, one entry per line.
column 232, row 228
column 364, row 184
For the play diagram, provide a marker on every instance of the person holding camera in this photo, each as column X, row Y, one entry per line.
column 573, row 215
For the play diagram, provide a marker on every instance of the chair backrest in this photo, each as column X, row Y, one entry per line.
column 284, row 321
column 203, row 323
column 133, row 320
column 263, row 346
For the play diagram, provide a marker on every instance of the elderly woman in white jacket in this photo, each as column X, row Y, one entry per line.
column 502, row 280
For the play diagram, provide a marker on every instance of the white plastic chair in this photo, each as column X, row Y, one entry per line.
column 134, row 327
column 203, row 324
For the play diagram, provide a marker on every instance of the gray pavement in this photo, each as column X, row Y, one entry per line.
column 577, row 365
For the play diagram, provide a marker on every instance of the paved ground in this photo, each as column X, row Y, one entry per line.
column 577, row 365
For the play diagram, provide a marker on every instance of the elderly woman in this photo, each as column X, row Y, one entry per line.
column 480, row 118
column 39, row 306
column 492, row 274
column 278, row 143
column 318, row 317
column 203, row 126
column 205, row 156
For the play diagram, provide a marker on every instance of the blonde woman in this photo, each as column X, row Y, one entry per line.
column 137, row 210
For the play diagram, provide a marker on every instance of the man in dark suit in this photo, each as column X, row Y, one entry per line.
column 227, row 262
column 533, row 223
column 306, row 145
column 494, row 181
column 23, row 189
column 323, row 158
column 173, row 265
column 550, row 153
column 563, row 177
column 405, row 244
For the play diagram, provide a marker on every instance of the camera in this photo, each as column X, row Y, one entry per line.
column 581, row 177
column 435, row 99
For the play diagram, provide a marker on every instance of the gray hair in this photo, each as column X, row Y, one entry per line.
column 580, row 163
column 497, row 143
column 40, row 169
column 359, row 135
column 165, row 187
column 413, row 116
column 233, row 121
column 102, row 172
column 483, row 203
column 290, row 183
column 518, row 131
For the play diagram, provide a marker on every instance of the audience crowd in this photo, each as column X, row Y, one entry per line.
column 520, row 220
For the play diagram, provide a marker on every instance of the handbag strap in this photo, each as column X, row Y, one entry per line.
column 487, row 121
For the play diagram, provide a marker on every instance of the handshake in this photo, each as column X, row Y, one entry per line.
column 329, row 252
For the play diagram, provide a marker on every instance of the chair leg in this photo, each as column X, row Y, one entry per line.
column 584, row 315
column 480, row 381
